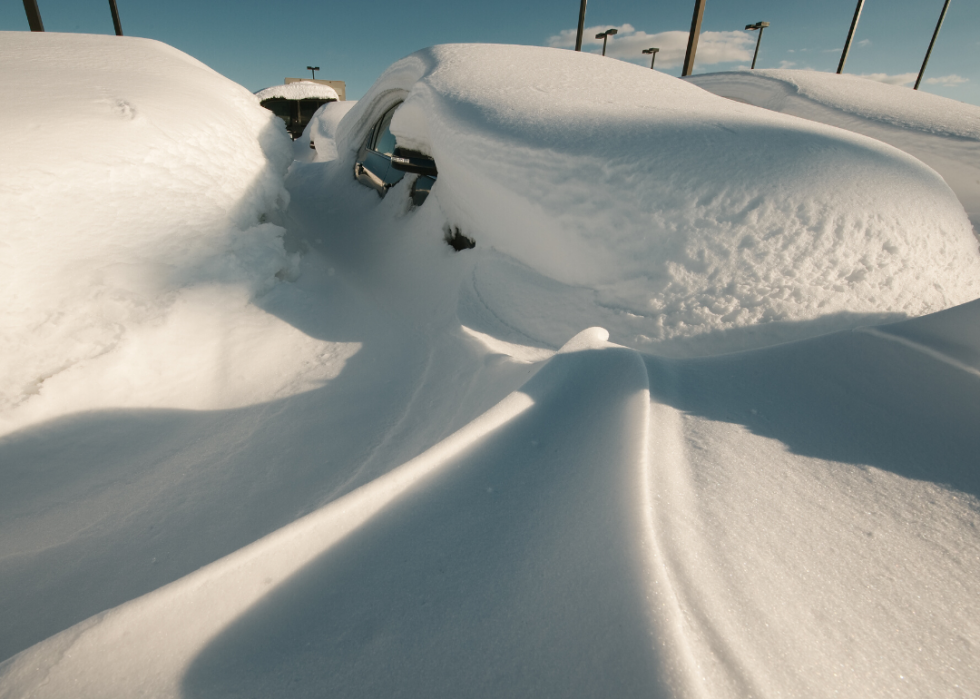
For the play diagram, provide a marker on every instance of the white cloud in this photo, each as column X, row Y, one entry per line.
column 863, row 43
column 787, row 64
column 909, row 79
column 900, row 79
column 947, row 80
column 713, row 47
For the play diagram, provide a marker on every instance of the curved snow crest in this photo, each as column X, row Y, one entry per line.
column 520, row 471
column 149, row 179
column 869, row 99
column 688, row 213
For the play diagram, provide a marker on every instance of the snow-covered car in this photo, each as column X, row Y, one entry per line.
column 687, row 222
column 381, row 163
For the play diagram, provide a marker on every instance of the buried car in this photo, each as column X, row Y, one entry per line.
column 678, row 219
column 381, row 163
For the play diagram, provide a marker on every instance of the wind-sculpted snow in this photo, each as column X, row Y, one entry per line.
column 680, row 214
column 941, row 132
column 136, row 184
column 754, row 530
column 376, row 466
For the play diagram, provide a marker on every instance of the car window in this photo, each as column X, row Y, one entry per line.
column 386, row 140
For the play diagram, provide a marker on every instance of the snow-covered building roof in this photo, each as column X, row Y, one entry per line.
column 303, row 90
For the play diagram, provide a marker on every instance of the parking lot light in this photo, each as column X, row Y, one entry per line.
column 313, row 69
column 605, row 37
column 850, row 35
column 752, row 27
column 116, row 24
column 33, row 16
column 922, row 70
column 692, row 38
column 581, row 25
column 653, row 55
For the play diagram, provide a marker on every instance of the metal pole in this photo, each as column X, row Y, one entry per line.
column 692, row 39
column 605, row 38
column 33, row 16
column 581, row 26
column 757, row 42
column 115, row 18
column 850, row 35
column 922, row 70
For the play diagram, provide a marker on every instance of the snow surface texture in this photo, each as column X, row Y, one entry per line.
column 682, row 215
column 304, row 89
column 943, row 133
column 136, row 190
column 445, row 501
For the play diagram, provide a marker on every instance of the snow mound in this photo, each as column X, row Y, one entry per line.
column 942, row 133
column 892, row 104
column 302, row 90
column 679, row 214
column 137, row 192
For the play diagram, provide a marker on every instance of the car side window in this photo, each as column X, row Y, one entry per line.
column 385, row 142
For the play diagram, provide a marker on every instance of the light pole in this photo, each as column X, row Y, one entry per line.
column 313, row 69
column 692, row 38
column 581, row 25
column 116, row 24
column 605, row 37
column 33, row 16
column 922, row 70
column 752, row 27
column 653, row 55
column 850, row 35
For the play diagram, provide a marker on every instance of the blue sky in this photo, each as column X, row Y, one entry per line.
column 259, row 43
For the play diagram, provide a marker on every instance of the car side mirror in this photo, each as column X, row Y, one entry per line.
column 412, row 161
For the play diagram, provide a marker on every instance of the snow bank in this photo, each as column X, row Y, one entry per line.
column 302, row 90
column 680, row 214
column 137, row 188
column 869, row 99
column 943, row 133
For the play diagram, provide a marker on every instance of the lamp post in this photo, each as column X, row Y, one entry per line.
column 850, row 35
column 581, row 25
column 313, row 70
column 752, row 27
column 653, row 55
column 692, row 38
column 922, row 70
column 605, row 37
column 33, row 16
column 116, row 24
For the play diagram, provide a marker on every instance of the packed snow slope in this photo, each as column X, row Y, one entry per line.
column 395, row 469
column 943, row 133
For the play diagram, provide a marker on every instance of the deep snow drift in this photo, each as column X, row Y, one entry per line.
column 682, row 215
column 943, row 133
column 387, row 468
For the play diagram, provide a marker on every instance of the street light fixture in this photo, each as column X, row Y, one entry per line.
column 752, row 27
column 313, row 69
column 605, row 37
column 653, row 55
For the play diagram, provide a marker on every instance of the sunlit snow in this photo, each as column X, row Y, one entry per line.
column 695, row 418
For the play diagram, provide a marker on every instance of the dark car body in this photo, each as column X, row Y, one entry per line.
column 381, row 163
